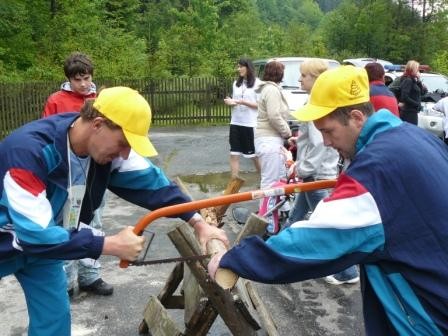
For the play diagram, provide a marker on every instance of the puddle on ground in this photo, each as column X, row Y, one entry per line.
column 210, row 185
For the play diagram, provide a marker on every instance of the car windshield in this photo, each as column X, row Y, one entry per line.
column 292, row 73
column 436, row 82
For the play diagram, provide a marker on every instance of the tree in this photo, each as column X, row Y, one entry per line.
column 165, row 38
column 17, row 48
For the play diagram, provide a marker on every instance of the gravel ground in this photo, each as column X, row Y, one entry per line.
column 199, row 155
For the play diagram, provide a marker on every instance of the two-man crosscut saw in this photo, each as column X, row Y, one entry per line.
column 222, row 200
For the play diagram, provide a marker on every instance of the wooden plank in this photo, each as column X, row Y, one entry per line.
column 198, row 314
column 265, row 317
column 255, row 225
column 192, row 293
column 158, row 321
column 172, row 284
column 202, row 319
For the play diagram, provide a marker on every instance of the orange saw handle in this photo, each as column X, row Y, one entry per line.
column 226, row 199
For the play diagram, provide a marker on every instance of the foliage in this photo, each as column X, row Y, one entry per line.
column 183, row 38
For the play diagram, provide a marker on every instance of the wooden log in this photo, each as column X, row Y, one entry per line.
column 254, row 225
column 233, row 187
column 223, row 277
column 209, row 215
column 158, row 320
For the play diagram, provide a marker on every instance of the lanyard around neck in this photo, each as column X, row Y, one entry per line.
column 84, row 171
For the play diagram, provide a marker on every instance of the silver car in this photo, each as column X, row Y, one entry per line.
column 294, row 95
column 437, row 85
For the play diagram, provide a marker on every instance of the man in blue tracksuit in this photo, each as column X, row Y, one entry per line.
column 53, row 175
column 388, row 213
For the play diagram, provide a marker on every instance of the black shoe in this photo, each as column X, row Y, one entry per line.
column 98, row 287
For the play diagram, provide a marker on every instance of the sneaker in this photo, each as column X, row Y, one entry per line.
column 336, row 279
column 98, row 287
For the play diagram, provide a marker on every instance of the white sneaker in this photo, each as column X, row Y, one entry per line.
column 331, row 279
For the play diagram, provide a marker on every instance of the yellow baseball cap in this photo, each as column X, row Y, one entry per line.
column 343, row 86
column 128, row 109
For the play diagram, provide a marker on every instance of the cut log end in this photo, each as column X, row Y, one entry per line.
column 225, row 278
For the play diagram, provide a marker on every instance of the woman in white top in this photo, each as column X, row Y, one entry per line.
column 272, row 125
column 244, row 116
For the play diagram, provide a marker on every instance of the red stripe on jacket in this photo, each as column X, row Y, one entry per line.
column 27, row 180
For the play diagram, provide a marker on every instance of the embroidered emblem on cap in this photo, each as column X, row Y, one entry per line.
column 355, row 89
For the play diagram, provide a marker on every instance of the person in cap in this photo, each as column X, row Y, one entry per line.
column 387, row 213
column 78, row 69
column 315, row 162
column 54, row 172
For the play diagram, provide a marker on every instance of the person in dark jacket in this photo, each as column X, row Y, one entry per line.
column 387, row 213
column 380, row 95
column 411, row 91
column 53, row 175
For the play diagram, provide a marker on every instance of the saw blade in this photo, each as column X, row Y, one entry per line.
column 168, row 260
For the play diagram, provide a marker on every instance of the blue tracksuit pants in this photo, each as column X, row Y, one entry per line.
column 45, row 286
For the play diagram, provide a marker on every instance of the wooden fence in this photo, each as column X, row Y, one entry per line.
column 180, row 101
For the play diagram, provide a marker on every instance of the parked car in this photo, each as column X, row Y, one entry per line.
column 295, row 96
column 361, row 62
column 437, row 85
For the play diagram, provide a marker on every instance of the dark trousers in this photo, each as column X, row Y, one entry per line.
column 409, row 116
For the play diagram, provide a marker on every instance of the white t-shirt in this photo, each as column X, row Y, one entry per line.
column 243, row 115
column 442, row 106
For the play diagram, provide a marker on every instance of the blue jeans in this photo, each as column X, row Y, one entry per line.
column 86, row 270
column 45, row 287
column 348, row 273
column 305, row 202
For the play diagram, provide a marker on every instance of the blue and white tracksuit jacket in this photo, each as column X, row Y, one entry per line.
column 389, row 214
column 34, row 181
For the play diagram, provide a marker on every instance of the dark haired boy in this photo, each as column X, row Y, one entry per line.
column 78, row 69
